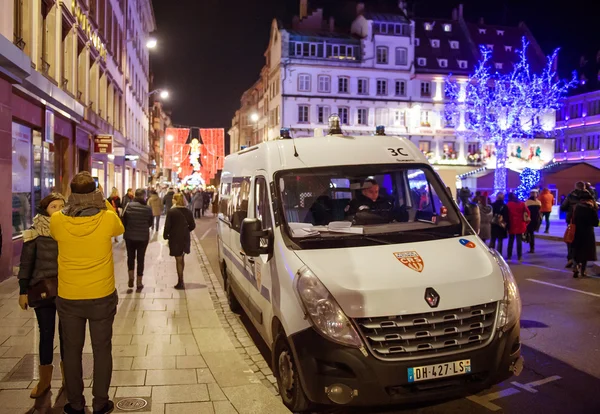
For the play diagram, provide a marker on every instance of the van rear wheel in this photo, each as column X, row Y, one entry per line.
column 234, row 304
column 288, row 378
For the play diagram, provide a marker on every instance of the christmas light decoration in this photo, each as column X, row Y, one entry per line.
column 529, row 179
column 499, row 108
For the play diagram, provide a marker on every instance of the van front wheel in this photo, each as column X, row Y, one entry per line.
column 288, row 379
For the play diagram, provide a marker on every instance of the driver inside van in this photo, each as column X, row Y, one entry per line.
column 371, row 207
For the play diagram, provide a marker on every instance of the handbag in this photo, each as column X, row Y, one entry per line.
column 570, row 231
column 43, row 292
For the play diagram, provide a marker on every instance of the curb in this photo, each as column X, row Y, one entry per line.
column 555, row 238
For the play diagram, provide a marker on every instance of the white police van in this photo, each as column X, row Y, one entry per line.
column 360, row 273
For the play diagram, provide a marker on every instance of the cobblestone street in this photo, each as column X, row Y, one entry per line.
column 181, row 352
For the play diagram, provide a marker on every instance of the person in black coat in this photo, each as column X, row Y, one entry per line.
column 535, row 206
column 499, row 223
column 178, row 225
column 137, row 220
column 39, row 268
column 567, row 206
column 585, row 218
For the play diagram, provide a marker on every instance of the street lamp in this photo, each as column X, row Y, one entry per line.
column 151, row 43
column 254, row 117
column 163, row 93
column 169, row 137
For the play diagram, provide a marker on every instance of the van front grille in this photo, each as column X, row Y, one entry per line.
column 429, row 334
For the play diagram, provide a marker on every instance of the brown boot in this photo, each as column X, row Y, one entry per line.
column 140, row 285
column 43, row 384
column 130, row 279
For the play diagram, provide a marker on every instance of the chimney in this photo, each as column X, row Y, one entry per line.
column 360, row 9
column 460, row 11
column 331, row 24
column 454, row 14
column 303, row 9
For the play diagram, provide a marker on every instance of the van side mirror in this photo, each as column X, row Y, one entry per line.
column 250, row 235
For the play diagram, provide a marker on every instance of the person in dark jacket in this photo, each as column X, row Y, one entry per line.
column 535, row 206
column 585, row 218
column 499, row 223
column 137, row 220
column 39, row 264
column 206, row 196
column 567, row 206
column 168, row 200
column 486, row 214
column 127, row 198
column 178, row 225
column 197, row 203
column 470, row 209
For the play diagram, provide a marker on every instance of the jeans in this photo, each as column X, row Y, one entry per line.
column 546, row 216
column 136, row 248
column 511, row 242
column 74, row 314
column 156, row 222
column 46, row 317
column 493, row 244
column 531, row 238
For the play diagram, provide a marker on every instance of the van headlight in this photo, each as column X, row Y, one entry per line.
column 510, row 305
column 324, row 312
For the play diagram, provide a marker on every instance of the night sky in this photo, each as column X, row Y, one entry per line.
column 211, row 51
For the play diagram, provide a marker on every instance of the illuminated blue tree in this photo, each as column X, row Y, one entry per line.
column 499, row 108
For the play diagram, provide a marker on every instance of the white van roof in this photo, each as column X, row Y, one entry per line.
column 278, row 155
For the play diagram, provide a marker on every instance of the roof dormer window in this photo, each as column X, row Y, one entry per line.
column 447, row 27
column 435, row 43
column 508, row 48
column 462, row 64
column 500, row 32
column 454, row 44
column 489, row 47
column 498, row 65
column 429, row 27
column 482, row 31
column 422, row 61
column 443, row 63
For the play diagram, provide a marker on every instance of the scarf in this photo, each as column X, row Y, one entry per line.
column 79, row 203
column 41, row 227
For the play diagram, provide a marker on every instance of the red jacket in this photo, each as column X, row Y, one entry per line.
column 516, row 221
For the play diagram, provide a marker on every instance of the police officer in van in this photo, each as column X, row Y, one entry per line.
column 370, row 207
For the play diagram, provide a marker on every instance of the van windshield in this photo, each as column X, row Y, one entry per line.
column 346, row 206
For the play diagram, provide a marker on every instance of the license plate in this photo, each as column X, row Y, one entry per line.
column 445, row 369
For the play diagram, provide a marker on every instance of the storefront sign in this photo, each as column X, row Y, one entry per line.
column 87, row 28
column 119, row 151
column 103, row 144
column 129, row 157
column 49, row 127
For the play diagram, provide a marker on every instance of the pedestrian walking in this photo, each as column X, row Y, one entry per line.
column 38, row 284
column 499, row 230
column 486, row 213
column 86, row 289
column 127, row 198
column 592, row 190
column 518, row 218
column 585, row 218
column 534, row 206
column 156, row 205
column 168, row 200
column 137, row 219
column 206, row 196
column 547, row 200
column 115, row 202
column 469, row 209
column 197, row 203
column 178, row 225
column 567, row 206
column 215, row 204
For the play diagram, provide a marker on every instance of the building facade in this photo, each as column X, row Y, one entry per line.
column 74, row 87
column 385, row 69
column 578, row 125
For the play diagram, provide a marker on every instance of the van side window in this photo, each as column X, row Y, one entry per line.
column 263, row 211
column 224, row 200
column 237, row 209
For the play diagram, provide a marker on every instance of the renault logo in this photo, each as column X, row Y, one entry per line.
column 432, row 297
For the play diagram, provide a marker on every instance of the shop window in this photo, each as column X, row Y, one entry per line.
column 21, row 178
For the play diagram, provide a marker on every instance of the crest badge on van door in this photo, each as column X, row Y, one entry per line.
column 411, row 259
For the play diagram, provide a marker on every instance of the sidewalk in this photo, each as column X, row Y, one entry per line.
column 170, row 348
